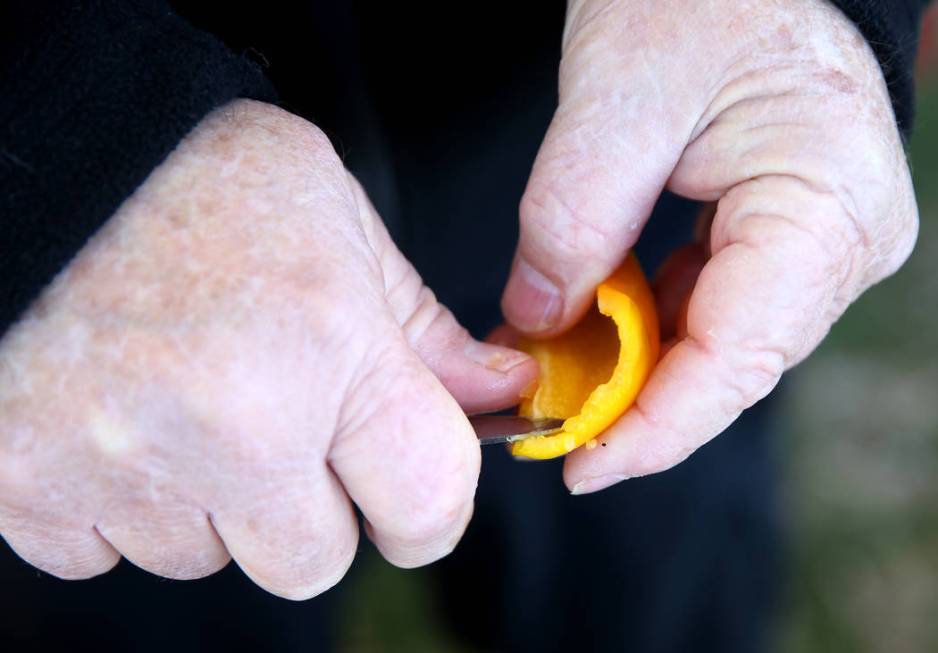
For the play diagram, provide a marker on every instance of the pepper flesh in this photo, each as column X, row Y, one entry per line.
column 593, row 372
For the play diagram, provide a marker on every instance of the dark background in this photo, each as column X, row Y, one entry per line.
column 858, row 421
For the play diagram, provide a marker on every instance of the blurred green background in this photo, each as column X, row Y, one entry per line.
column 861, row 448
column 860, row 458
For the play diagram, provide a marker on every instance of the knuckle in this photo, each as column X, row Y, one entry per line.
column 435, row 521
column 753, row 376
column 380, row 387
column 797, row 223
column 68, row 555
column 411, row 556
column 898, row 237
column 748, row 370
column 176, row 551
column 300, row 578
column 429, row 528
column 663, row 452
column 431, row 326
column 82, row 570
column 420, row 547
column 189, row 566
column 423, row 308
column 425, row 530
column 18, row 487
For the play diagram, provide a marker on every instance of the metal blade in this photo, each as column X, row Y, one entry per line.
column 493, row 429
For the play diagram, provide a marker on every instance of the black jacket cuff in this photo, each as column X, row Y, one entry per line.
column 88, row 108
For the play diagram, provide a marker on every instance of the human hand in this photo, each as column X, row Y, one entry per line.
column 779, row 113
column 237, row 357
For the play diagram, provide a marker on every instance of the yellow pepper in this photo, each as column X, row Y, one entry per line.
column 593, row 372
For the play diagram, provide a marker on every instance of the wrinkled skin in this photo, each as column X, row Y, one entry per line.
column 239, row 355
column 241, row 352
column 778, row 113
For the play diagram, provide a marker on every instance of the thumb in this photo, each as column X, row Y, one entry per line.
column 615, row 138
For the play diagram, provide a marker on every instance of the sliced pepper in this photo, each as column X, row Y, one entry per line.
column 592, row 373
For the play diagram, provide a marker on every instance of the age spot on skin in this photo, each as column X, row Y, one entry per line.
column 178, row 219
column 837, row 81
column 784, row 40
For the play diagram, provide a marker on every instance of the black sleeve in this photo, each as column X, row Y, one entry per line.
column 892, row 29
column 93, row 96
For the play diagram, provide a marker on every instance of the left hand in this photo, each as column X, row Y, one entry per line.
column 239, row 356
column 776, row 111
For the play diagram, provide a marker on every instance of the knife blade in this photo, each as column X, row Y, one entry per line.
column 494, row 429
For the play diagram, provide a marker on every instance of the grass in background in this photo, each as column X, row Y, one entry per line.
column 861, row 446
column 390, row 610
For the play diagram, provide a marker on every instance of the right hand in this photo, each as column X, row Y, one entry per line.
column 779, row 114
column 233, row 360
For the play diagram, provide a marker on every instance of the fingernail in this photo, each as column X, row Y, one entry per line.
column 532, row 301
column 596, row 484
column 498, row 359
